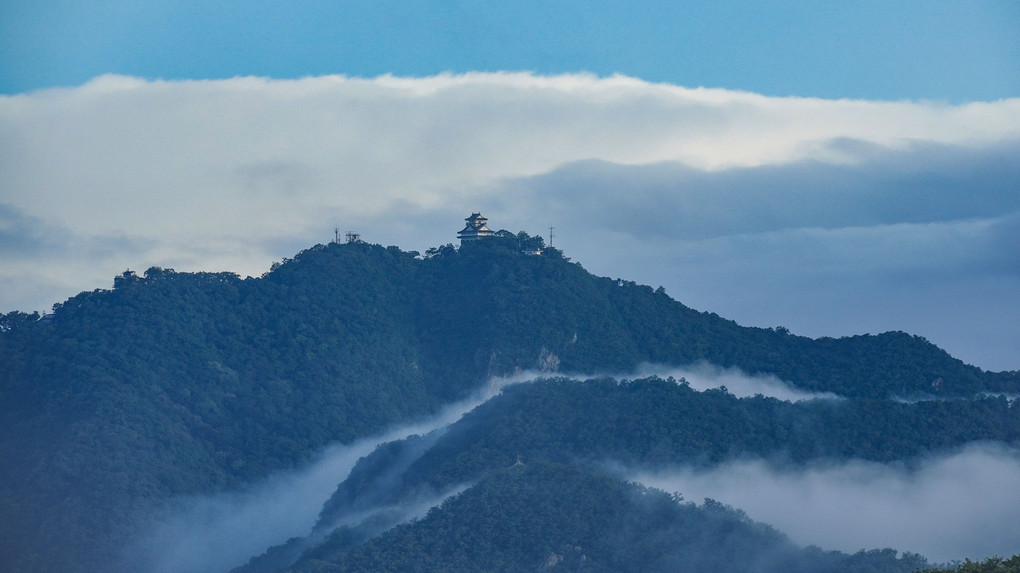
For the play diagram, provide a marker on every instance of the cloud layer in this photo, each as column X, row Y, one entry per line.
column 830, row 217
column 962, row 505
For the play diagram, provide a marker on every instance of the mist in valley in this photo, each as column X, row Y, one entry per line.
column 956, row 505
column 210, row 533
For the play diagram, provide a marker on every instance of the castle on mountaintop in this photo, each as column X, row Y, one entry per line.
column 475, row 228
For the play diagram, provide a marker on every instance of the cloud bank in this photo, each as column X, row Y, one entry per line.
column 830, row 217
column 962, row 505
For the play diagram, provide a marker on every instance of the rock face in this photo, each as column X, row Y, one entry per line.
column 547, row 361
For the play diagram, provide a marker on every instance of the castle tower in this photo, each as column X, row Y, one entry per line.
column 475, row 228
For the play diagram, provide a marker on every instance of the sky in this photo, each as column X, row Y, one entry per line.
column 833, row 168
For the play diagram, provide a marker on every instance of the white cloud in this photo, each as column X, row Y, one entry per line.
column 232, row 174
column 961, row 505
column 699, row 376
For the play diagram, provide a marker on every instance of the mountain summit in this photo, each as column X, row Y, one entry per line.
column 174, row 384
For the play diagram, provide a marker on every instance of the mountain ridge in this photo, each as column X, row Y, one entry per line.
column 179, row 383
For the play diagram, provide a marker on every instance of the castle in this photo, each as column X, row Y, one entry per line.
column 475, row 229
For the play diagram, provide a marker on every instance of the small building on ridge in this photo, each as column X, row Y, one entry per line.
column 475, row 229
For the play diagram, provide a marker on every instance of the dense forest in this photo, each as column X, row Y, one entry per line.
column 653, row 422
column 176, row 383
column 553, row 517
column 643, row 423
column 991, row 565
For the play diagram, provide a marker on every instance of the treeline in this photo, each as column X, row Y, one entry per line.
column 517, row 311
column 990, row 565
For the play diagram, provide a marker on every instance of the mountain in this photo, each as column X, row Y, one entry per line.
column 175, row 384
column 603, row 426
column 652, row 422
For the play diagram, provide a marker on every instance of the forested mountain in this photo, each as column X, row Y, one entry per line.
column 552, row 517
column 641, row 423
column 653, row 422
column 181, row 383
column 991, row 565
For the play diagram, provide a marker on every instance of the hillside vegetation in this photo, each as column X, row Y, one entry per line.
column 654, row 422
column 603, row 425
column 184, row 383
column 552, row 517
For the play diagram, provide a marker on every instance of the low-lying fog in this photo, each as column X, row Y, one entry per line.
column 964, row 504
column 961, row 505
column 206, row 534
column 703, row 376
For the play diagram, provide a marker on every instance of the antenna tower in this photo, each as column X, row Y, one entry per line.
column 551, row 235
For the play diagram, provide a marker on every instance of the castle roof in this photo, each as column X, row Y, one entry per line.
column 475, row 228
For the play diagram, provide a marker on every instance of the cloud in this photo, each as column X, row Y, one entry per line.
column 46, row 262
column 917, row 239
column 219, row 532
column 22, row 236
column 956, row 506
column 916, row 185
column 827, row 216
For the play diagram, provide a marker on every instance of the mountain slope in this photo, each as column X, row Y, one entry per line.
column 651, row 423
column 655, row 422
column 181, row 383
column 552, row 517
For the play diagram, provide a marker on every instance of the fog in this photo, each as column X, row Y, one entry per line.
column 704, row 376
column 954, row 506
column 210, row 533
column 964, row 504
column 699, row 376
column 220, row 531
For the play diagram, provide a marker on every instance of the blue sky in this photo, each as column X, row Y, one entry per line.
column 847, row 168
column 952, row 51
